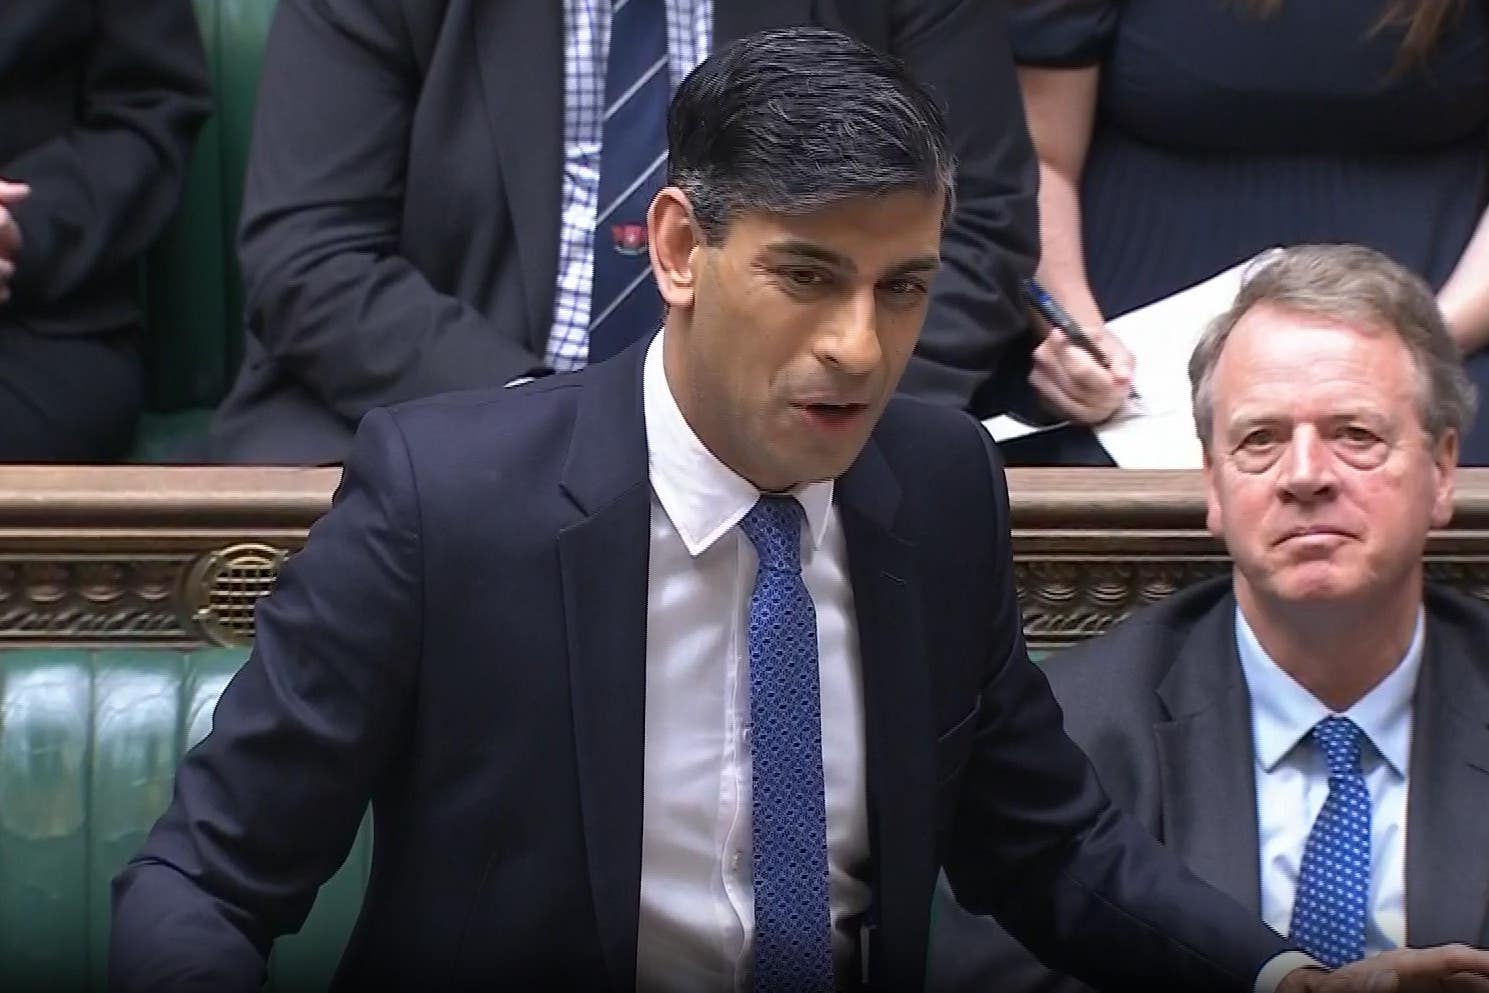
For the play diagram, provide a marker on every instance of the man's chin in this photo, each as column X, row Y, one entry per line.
column 829, row 461
column 1317, row 583
column 835, row 466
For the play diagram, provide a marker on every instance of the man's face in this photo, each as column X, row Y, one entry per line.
column 798, row 330
column 1321, row 477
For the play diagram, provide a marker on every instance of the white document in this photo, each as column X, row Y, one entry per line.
column 1006, row 427
column 1158, row 432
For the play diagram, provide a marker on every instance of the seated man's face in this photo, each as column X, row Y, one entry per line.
column 799, row 329
column 1322, row 479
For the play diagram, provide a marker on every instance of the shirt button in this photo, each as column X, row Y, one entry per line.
column 734, row 861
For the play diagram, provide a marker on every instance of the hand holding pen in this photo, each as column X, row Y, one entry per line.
column 1080, row 371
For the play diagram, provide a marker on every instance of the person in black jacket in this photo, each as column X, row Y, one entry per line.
column 100, row 101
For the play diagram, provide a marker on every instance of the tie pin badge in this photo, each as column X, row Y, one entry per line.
column 628, row 239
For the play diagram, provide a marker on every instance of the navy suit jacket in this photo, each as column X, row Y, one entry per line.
column 462, row 643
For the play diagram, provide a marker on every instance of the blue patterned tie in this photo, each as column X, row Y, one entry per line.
column 1334, row 880
column 793, row 931
column 624, row 303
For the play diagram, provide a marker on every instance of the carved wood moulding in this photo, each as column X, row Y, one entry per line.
column 146, row 556
column 1070, row 598
column 173, row 599
column 177, row 556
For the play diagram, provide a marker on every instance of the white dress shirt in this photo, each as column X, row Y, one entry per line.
column 1292, row 782
column 697, row 906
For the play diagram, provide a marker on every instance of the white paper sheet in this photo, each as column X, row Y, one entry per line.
column 1159, row 433
column 1005, row 427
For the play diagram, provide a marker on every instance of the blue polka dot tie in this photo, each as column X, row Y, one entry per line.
column 1334, row 880
column 793, row 932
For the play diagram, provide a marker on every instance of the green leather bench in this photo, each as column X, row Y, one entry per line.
column 192, row 292
column 126, row 597
column 89, row 741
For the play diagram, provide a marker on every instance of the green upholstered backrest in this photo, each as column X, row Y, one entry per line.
column 89, row 742
column 192, row 289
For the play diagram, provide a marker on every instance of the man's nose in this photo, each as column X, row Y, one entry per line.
column 851, row 344
column 1307, row 466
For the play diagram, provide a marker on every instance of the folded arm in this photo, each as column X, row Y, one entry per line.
column 328, row 293
column 103, row 190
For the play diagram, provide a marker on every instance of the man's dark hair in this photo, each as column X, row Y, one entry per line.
column 793, row 120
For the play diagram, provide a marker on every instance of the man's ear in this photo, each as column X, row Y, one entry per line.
column 674, row 241
column 1214, row 512
column 1445, row 461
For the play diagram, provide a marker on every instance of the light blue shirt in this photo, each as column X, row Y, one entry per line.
column 1292, row 781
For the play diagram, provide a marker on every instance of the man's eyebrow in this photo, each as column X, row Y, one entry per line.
column 1243, row 418
column 921, row 263
column 818, row 253
column 812, row 251
column 1268, row 417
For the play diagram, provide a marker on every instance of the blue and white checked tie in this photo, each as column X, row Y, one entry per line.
column 624, row 303
column 1334, row 879
column 793, row 930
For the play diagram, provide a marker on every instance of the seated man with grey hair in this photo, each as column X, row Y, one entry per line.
column 1310, row 733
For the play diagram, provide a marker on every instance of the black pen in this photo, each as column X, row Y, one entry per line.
column 1049, row 308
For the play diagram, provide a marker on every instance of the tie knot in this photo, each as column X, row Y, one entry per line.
column 773, row 526
column 1339, row 737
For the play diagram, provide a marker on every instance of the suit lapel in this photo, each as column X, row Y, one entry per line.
column 603, row 561
column 900, row 721
column 1208, row 782
column 1447, row 856
column 519, row 48
column 735, row 19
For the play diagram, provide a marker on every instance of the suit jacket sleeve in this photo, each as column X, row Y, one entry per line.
column 328, row 293
column 960, row 49
column 267, row 806
column 103, row 190
column 1037, row 844
column 973, row 954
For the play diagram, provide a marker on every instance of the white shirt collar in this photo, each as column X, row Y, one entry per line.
column 702, row 496
column 1283, row 712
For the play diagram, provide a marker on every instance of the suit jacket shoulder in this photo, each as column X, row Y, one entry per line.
column 930, row 446
column 1466, row 619
column 1108, row 685
column 1109, row 678
column 1448, row 868
column 952, row 507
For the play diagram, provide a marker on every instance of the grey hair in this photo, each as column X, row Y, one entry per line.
column 1355, row 285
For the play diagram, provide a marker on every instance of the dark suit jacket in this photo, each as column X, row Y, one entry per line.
column 1161, row 706
column 462, row 642
column 100, row 101
column 401, row 217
